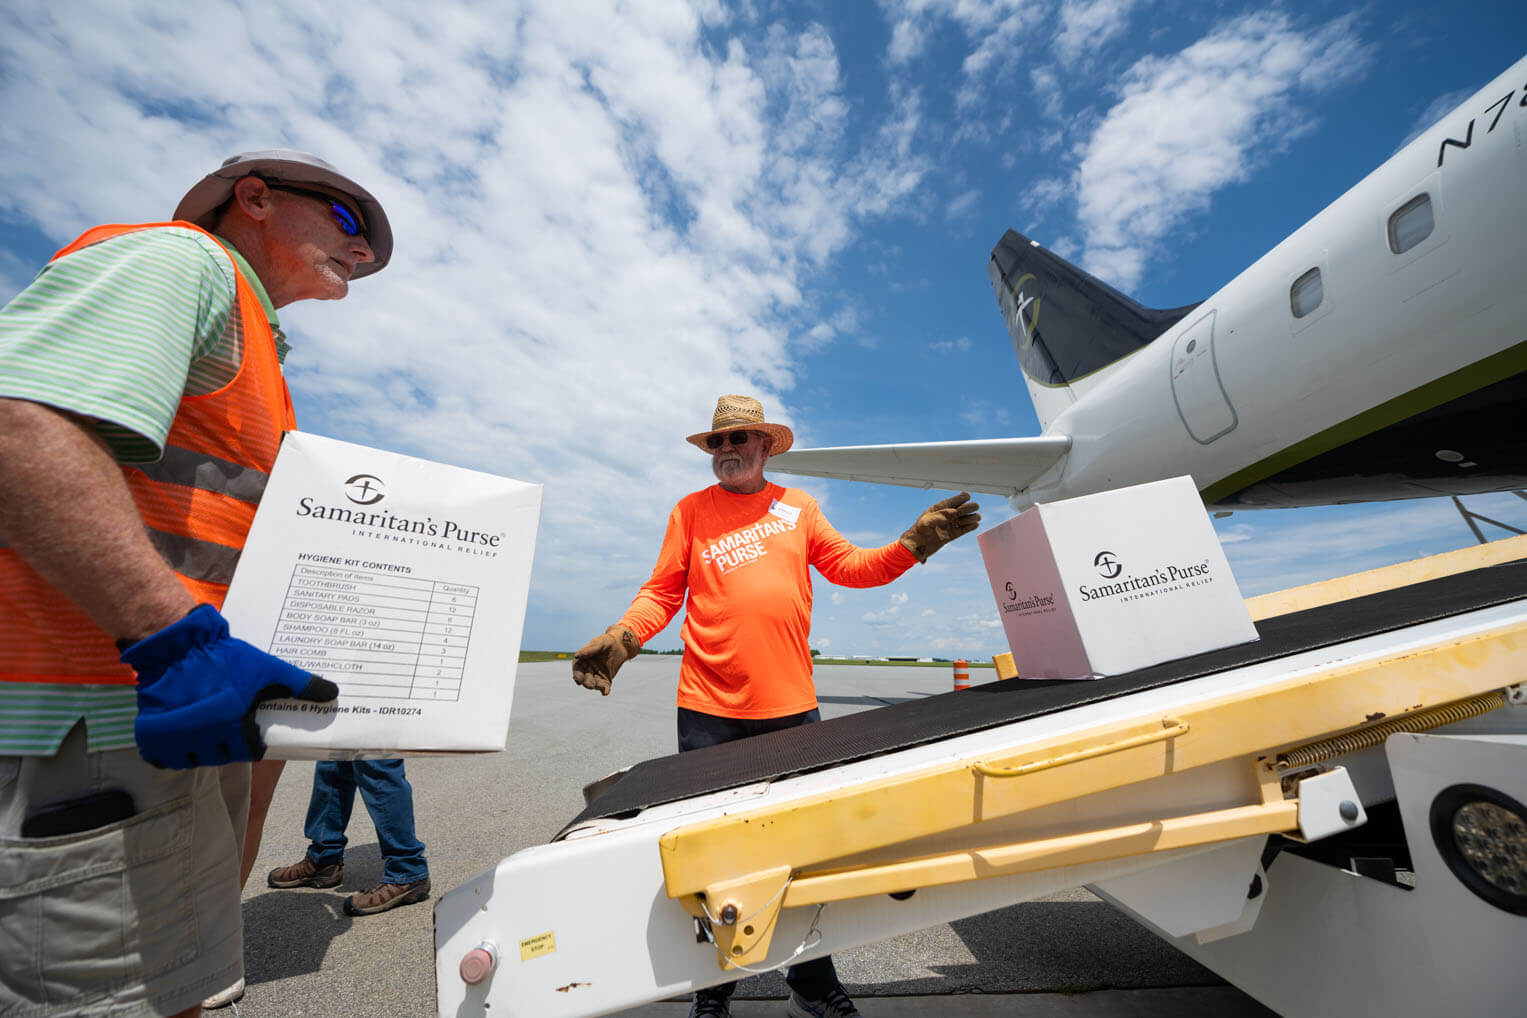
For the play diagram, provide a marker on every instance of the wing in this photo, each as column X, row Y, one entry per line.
column 998, row 466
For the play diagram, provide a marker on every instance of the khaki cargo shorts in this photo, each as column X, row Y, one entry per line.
column 137, row 917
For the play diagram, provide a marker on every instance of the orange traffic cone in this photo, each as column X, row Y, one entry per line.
column 961, row 674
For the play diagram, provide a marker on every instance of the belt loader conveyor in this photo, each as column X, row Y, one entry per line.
column 1167, row 792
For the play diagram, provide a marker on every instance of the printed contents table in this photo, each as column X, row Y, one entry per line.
column 377, row 633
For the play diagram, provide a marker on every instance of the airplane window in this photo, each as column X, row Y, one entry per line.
column 1411, row 224
column 1306, row 293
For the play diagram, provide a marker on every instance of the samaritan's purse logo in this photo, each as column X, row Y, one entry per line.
column 1160, row 580
column 364, row 489
column 1028, row 602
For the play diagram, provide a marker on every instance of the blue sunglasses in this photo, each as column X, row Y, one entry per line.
column 348, row 221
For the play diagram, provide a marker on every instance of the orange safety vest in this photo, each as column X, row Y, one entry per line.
column 197, row 505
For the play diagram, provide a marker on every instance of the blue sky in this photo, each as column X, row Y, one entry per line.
column 607, row 214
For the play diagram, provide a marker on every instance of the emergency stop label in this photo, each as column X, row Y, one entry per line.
column 534, row 947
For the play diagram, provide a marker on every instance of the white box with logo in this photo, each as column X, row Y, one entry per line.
column 1109, row 583
column 402, row 581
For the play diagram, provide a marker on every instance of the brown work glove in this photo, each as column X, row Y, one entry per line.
column 941, row 523
column 594, row 666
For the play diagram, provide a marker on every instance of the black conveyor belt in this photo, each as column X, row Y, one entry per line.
column 901, row 726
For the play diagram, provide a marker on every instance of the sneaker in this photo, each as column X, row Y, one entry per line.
column 225, row 997
column 706, row 1006
column 835, row 1005
column 384, row 896
column 306, row 873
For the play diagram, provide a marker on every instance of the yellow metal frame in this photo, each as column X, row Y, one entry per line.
column 749, row 865
column 1273, row 814
column 1169, row 728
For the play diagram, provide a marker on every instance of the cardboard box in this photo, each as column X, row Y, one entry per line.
column 404, row 582
column 1113, row 582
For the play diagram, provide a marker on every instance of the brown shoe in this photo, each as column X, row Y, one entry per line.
column 306, row 873
column 384, row 896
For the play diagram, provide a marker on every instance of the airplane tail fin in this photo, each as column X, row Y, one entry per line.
column 1065, row 324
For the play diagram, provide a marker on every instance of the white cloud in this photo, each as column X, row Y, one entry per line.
column 1047, row 90
column 960, row 345
column 1191, row 123
column 888, row 616
column 1068, row 247
column 992, row 27
column 844, row 321
column 907, row 40
column 1043, row 195
column 1435, row 111
column 820, row 334
column 962, row 203
column 1086, row 26
column 582, row 217
column 1236, row 534
column 997, row 43
column 984, row 415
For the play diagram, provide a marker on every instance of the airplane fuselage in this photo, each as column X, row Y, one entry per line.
column 1402, row 380
column 1380, row 352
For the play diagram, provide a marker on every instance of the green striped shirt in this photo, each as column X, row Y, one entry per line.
column 119, row 332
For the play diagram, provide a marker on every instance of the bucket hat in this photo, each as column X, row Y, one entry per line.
column 288, row 166
column 743, row 413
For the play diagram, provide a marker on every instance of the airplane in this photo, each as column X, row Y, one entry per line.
column 1378, row 353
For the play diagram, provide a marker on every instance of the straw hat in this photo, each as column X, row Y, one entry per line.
column 743, row 413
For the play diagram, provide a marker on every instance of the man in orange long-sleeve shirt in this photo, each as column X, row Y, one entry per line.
column 741, row 549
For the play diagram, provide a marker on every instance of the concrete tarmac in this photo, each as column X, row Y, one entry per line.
column 1068, row 955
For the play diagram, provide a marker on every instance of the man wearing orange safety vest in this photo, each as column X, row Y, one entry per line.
column 141, row 407
column 742, row 549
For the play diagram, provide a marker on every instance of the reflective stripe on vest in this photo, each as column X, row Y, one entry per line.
column 207, row 473
column 197, row 504
column 202, row 561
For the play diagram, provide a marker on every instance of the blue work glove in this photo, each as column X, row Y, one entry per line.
column 198, row 689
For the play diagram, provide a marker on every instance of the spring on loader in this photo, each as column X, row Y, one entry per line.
column 1365, row 738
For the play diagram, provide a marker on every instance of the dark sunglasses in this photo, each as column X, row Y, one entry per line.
column 348, row 221
column 713, row 442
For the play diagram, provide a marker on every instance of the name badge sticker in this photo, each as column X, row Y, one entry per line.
column 788, row 513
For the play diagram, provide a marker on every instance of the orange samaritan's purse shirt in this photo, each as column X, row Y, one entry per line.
column 743, row 560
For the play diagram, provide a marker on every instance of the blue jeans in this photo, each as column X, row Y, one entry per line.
column 814, row 979
column 389, row 799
